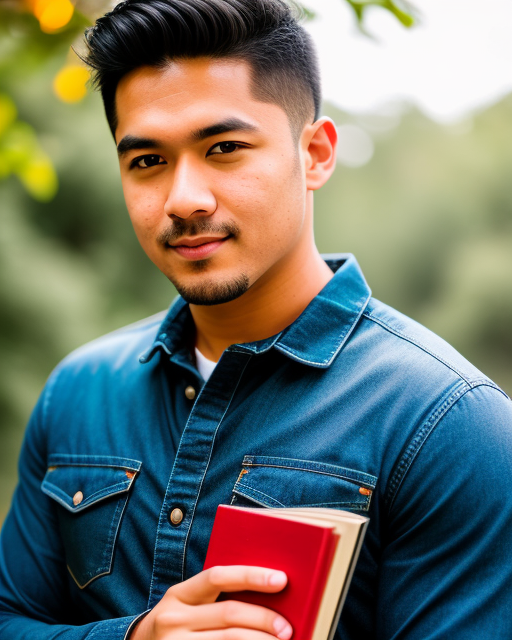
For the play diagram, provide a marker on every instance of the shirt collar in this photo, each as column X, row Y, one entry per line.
column 317, row 335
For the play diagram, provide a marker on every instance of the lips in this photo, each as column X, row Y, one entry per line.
column 198, row 248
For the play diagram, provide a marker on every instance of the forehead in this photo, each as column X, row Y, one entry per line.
column 188, row 94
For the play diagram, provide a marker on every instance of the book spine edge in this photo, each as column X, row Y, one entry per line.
column 318, row 582
column 348, row 580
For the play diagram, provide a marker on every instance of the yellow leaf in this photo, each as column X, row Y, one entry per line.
column 70, row 83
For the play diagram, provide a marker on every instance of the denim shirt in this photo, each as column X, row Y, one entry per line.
column 353, row 406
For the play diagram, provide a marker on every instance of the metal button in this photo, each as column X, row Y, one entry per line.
column 77, row 498
column 176, row 516
column 190, row 393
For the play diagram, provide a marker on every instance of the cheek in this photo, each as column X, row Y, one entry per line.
column 143, row 224
column 144, row 209
column 238, row 190
column 265, row 186
column 284, row 202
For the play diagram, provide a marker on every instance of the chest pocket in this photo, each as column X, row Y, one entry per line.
column 92, row 492
column 287, row 482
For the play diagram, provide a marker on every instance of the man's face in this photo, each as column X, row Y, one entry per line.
column 213, row 180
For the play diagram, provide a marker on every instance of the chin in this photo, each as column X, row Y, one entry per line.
column 209, row 293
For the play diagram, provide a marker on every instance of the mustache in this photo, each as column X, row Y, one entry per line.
column 201, row 226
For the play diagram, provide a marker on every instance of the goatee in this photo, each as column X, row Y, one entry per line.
column 211, row 293
column 206, row 292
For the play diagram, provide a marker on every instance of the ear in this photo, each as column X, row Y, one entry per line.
column 319, row 141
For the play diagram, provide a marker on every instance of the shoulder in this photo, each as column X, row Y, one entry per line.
column 416, row 350
column 463, row 416
column 424, row 393
column 120, row 348
column 96, row 381
column 110, row 362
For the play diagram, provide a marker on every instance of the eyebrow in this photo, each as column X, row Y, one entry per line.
column 225, row 126
column 132, row 143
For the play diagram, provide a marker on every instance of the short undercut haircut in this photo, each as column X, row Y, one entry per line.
column 264, row 33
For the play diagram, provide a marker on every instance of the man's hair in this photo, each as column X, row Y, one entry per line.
column 264, row 33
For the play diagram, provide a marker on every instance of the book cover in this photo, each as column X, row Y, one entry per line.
column 303, row 550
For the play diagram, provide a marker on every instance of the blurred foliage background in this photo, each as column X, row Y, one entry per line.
column 426, row 208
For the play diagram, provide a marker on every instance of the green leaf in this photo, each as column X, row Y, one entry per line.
column 405, row 15
column 309, row 14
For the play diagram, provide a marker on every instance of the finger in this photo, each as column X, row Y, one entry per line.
column 206, row 586
column 231, row 613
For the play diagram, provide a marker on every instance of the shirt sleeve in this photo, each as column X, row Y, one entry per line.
column 446, row 569
column 33, row 583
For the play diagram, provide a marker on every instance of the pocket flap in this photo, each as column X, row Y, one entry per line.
column 287, row 482
column 78, row 481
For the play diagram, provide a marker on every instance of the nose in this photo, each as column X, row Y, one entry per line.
column 189, row 192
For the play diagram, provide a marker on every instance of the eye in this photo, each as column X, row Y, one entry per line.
column 145, row 162
column 222, row 148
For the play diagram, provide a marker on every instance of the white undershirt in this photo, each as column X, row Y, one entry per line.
column 204, row 366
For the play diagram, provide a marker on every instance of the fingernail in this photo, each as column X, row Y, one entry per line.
column 277, row 579
column 282, row 628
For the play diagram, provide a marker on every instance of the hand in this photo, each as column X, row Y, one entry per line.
column 188, row 610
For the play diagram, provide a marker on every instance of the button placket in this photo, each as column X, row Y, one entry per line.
column 190, row 467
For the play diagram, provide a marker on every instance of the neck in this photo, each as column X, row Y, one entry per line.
column 268, row 307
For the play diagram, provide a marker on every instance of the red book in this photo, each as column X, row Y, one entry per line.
column 300, row 542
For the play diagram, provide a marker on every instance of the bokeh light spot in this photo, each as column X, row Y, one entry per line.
column 70, row 83
column 53, row 14
column 355, row 146
column 39, row 178
column 8, row 112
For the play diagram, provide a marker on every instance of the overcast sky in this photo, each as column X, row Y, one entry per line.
column 459, row 58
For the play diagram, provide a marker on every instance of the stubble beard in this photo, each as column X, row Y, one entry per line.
column 207, row 291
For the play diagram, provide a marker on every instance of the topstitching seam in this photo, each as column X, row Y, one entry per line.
column 419, row 439
column 424, row 348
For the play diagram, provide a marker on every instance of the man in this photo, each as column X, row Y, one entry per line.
column 270, row 382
